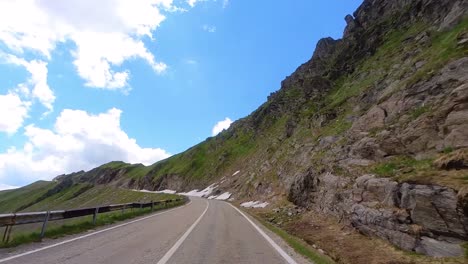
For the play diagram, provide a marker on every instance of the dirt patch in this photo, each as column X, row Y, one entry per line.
column 343, row 243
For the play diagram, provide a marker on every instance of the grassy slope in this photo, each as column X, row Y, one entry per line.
column 11, row 200
column 76, row 196
column 33, row 198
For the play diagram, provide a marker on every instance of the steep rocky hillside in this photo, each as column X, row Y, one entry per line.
column 372, row 130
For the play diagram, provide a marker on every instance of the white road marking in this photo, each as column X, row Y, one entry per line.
column 286, row 257
column 88, row 235
column 181, row 240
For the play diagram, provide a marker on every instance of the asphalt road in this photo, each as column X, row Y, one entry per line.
column 204, row 231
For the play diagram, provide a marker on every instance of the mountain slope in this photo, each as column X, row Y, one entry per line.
column 66, row 194
column 371, row 130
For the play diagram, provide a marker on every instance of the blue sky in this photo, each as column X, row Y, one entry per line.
column 139, row 83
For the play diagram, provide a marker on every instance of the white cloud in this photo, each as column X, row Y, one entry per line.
column 79, row 140
column 220, row 126
column 192, row 3
column 13, row 112
column 191, row 62
column 7, row 187
column 38, row 80
column 110, row 34
column 225, row 3
column 210, row 29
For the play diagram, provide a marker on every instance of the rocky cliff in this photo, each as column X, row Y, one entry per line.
column 372, row 130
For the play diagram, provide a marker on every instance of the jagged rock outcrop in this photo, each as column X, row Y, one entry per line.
column 427, row 219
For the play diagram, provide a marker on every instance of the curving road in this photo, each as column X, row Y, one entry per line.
column 203, row 231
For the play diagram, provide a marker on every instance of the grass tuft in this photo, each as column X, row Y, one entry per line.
column 78, row 226
column 297, row 244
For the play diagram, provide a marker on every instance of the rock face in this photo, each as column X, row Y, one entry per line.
column 393, row 118
column 422, row 218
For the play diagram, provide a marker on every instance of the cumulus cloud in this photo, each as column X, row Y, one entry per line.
column 36, row 85
column 13, row 112
column 78, row 141
column 105, row 33
column 220, row 126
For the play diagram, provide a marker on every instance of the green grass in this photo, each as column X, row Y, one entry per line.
column 76, row 196
column 78, row 226
column 12, row 200
column 401, row 165
column 204, row 161
column 447, row 150
column 465, row 246
column 132, row 171
column 419, row 111
column 98, row 195
column 297, row 244
column 443, row 49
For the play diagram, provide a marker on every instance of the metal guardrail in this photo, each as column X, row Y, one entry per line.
column 10, row 220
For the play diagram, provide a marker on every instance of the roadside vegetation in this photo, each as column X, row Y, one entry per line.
column 43, row 196
column 299, row 245
column 75, row 226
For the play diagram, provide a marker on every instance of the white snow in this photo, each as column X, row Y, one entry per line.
column 203, row 193
column 223, row 196
column 167, row 191
column 163, row 191
column 256, row 204
column 235, row 173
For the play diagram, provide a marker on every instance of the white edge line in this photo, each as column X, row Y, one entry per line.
column 181, row 240
column 88, row 235
column 267, row 238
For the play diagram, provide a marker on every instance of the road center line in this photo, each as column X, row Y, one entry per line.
column 181, row 240
column 88, row 235
column 286, row 257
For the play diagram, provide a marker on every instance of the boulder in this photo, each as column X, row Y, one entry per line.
column 437, row 248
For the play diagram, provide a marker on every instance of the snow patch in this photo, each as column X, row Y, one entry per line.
column 167, row 191
column 203, row 193
column 223, row 196
column 235, row 173
column 256, row 204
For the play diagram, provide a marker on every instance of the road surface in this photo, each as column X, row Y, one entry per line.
column 204, row 231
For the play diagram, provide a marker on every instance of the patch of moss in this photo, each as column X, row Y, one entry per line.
column 419, row 111
column 401, row 165
column 447, row 150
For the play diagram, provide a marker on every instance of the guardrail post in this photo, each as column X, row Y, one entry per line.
column 95, row 215
column 152, row 205
column 141, row 206
column 44, row 225
column 5, row 234
column 123, row 209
